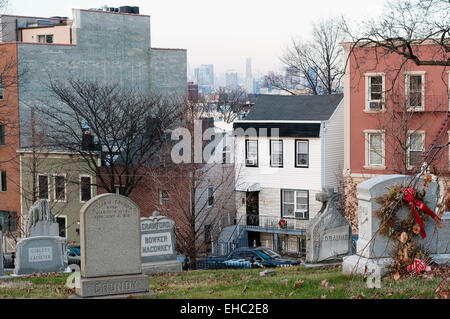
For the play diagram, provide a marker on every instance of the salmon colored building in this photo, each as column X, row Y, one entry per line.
column 394, row 112
column 9, row 138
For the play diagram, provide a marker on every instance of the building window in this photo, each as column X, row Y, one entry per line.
column 415, row 90
column 2, row 89
column 301, row 153
column 2, row 181
column 251, row 153
column 2, row 135
column 210, row 196
column 416, row 145
column 119, row 189
column 45, row 38
column 374, row 91
column 226, row 155
column 60, row 188
column 375, row 149
column 85, row 188
column 8, row 221
column 295, row 204
column 163, row 197
column 43, row 187
column 276, row 153
column 61, row 220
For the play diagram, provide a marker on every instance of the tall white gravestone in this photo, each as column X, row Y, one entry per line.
column 372, row 248
column 110, row 248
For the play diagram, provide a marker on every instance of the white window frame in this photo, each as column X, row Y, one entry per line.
column 209, row 195
column 247, row 153
column 305, row 213
column 407, row 82
column 411, row 132
column 367, row 134
column 272, row 164
column 54, row 188
column 90, row 184
column 367, row 96
column 39, row 186
column 296, row 152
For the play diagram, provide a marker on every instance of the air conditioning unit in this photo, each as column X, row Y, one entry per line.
column 251, row 162
column 300, row 215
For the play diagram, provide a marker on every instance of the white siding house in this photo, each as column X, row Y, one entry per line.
column 298, row 150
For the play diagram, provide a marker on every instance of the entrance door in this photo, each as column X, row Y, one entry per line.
column 252, row 208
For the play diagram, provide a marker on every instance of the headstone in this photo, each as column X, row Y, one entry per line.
column 41, row 221
column 110, row 248
column 41, row 254
column 158, row 245
column 329, row 235
column 43, row 250
column 372, row 248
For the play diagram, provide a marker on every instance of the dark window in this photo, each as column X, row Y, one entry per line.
column 276, row 153
column 120, row 190
column 62, row 226
column 2, row 89
column 251, row 153
column 2, row 135
column 3, row 181
column 8, row 221
column 415, row 91
column 375, row 92
column 301, row 153
column 85, row 189
column 210, row 196
column 43, row 186
column 60, row 188
column 164, row 197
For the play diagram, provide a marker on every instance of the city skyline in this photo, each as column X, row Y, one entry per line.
column 222, row 34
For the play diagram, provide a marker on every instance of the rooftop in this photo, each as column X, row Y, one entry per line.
column 294, row 107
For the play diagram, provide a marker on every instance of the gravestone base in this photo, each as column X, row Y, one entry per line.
column 162, row 267
column 441, row 259
column 115, row 286
column 322, row 264
column 361, row 265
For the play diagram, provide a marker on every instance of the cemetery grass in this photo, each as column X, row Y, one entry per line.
column 287, row 283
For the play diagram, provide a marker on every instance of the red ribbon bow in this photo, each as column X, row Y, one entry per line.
column 409, row 195
column 418, row 266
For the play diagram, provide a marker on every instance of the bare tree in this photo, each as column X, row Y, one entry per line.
column 403, row 26
column 318, row 60
column 230, row 102
column 196, row 194
column 121, row 126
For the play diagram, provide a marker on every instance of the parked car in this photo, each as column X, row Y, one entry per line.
column 74, row 255
column 184, row 261
column 247, row 257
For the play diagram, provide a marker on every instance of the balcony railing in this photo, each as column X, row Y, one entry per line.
column 420, row 103
column 273, row 223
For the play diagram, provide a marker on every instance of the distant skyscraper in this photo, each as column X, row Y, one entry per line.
column 249, row 83
column 231, row 80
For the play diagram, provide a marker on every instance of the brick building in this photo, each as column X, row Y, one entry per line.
column 394, row 111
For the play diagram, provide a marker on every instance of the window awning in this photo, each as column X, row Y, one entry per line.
column 248, row 187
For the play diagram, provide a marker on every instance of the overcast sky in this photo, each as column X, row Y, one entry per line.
column 223, row 33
